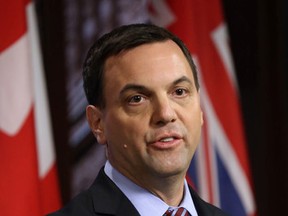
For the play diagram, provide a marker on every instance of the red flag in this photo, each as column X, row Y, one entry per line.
column 28, row 182
column 220, row 168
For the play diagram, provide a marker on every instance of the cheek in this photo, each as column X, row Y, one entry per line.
column 194, row 123
column 123, row 129
column 125, row 142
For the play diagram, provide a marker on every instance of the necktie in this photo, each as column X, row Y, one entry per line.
column 177, row 212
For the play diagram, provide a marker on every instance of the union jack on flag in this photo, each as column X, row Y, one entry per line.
column 220, row 169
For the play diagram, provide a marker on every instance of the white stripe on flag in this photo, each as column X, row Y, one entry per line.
column 201, row 172
column 201, row 161
column 15, row 80
column 215, row 199
column 45, row 144
column 221, row 41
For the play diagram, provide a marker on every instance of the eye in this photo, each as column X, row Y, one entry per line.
column 136, row 99
column 180, row 92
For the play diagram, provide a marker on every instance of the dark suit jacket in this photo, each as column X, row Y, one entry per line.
column 105, row 198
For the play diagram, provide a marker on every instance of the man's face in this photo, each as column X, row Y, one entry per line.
column 152, row 118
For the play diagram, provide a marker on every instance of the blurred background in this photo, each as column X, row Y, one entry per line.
column 258, row 41
column 258, row 35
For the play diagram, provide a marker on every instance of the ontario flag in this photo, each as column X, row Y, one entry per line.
column 220, row 169
column 28, row 181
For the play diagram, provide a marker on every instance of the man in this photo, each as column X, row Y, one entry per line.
column 143, row 91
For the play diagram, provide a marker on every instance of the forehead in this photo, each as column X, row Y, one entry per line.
column 148, row 64
column 146, row 55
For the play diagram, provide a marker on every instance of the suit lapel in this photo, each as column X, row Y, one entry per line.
column 203, row 208
column 108, row 198
column 200, row 205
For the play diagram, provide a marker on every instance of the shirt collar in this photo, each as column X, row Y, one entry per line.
column 144, row 201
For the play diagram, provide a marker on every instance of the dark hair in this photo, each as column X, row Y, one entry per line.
column 122, row 39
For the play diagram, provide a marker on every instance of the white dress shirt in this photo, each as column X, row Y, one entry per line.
column 145, row 202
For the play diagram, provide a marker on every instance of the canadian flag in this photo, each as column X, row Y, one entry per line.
column 28, row 179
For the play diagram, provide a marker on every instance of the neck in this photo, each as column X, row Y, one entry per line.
column 169, row 189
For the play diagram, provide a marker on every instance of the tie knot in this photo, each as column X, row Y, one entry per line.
column 177, row 212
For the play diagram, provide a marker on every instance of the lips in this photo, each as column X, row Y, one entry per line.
column 166, row 141
column 166, row 137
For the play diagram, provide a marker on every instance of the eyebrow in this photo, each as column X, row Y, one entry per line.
column 141, row 88
column 133, row 87
column 183, row 79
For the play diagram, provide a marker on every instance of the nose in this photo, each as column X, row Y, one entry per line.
column 163, row 112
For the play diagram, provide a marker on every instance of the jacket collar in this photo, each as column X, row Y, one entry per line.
column 112, row 200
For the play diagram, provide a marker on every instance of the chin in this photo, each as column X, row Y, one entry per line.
column 164, row 171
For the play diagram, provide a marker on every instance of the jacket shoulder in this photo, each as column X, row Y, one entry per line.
column 82, row 204
column 102, row 198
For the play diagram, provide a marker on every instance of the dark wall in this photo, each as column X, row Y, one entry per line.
column 50, row 20
column 258, row 45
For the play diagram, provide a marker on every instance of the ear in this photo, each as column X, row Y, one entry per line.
column 95, row 119
column 201, row 117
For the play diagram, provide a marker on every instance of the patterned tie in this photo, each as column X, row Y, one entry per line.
column 177, row 212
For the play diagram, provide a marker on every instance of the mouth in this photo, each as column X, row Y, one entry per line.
column 166, row 141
